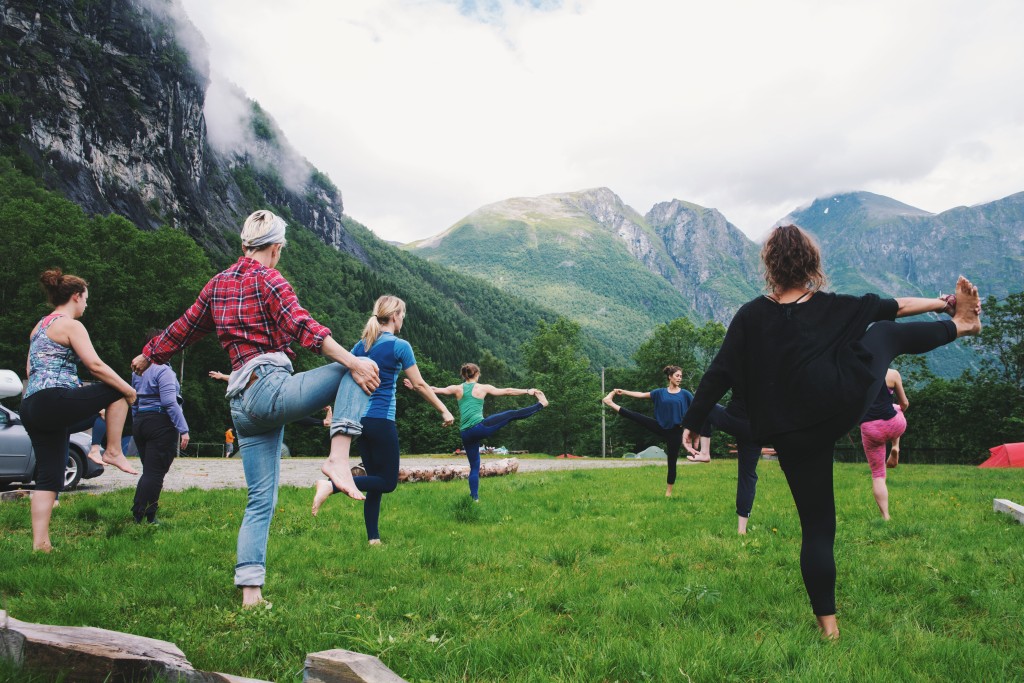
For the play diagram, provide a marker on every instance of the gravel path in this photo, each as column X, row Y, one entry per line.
column 218, row 473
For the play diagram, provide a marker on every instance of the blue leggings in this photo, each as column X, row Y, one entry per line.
column 748, row 452
column 378, row 447
column 490, row 425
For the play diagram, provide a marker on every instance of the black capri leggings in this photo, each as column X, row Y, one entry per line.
column 748, row 452
column 806, row 455
column 51, row 416
column 673, row 437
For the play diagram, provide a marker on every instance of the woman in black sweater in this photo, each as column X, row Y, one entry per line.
column 808, row 365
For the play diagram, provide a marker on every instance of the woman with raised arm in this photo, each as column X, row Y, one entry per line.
column 256, row 315
column 808, row 365
column 378, row 444
column 884, row 422
column 473, row 426
column 670, row 405
column 56, row 404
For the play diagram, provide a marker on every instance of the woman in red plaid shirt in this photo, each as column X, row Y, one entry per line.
column 256, row 315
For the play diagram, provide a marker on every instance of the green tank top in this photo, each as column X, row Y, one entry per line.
column 471, row 410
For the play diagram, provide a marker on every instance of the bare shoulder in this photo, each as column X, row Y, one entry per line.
column 482, row 390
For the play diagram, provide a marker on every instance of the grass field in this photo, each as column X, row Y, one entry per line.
column 561, row 576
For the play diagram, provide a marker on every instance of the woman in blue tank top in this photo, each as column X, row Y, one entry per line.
column 56, row 404
column 670, row 406
column 378, row 443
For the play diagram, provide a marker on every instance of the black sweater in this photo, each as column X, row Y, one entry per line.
column 795, row 365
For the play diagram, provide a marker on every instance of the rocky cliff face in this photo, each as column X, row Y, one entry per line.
column 105, row 102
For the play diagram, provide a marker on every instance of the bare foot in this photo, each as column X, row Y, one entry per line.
column 252, row 596
column 829, row 627
column 95, row 454
column 893, row 460
column 668, row 491
column 693, row 458
column 341, row 477
column 607, row 400
column 117, row 459
column 375, row 541
column 322, row 490
column 541, row 398
column 43, row 547
column 967, row 306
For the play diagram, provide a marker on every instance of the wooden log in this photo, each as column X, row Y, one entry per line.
column 1009, row 507
column 9, row 496
column 345, row 666
column 494, row 468
column 88, row 655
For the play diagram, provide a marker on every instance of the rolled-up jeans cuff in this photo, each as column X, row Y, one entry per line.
column 345, row 426
column 250, row 574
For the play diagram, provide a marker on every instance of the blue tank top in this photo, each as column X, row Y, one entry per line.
column 391, row 354
column 50, row 365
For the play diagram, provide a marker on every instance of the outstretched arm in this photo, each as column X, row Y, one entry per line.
column 633, row 394
column 914, row 305
column 450, row 390
column 496, row 391
column 424, row 390
column 219, row 375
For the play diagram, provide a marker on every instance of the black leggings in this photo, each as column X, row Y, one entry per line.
column 378, row 447
column 157, row 440
column 673, row 437
column 51, row 416
column 748, row 452
column 806, row 455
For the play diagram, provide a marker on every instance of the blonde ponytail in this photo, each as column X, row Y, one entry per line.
column 383, row 309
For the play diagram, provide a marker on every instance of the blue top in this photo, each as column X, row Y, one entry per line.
column 158, row 390
column 391, row 355
column 669, row 408
column 50, row 365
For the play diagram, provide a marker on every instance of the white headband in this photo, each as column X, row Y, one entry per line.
column 273, row 236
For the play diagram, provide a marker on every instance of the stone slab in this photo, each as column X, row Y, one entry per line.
column 1009, row 507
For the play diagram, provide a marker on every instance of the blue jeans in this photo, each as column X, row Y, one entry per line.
column 259, row 415
column 489, row 426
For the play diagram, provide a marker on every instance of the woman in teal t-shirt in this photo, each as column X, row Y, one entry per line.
column 472, row 423
column 670, row 406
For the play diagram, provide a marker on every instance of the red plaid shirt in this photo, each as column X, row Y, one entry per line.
column 252, row 308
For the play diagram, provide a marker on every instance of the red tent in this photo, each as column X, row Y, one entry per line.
column 1007, row 455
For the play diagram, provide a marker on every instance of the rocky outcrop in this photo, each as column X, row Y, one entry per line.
column 106, row 101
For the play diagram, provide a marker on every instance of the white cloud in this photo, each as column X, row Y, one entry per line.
column 421, row 112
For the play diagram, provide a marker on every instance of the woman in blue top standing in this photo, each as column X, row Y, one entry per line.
column 56, row 404
column 378, row 444
column 670, row 406
column 159, row 426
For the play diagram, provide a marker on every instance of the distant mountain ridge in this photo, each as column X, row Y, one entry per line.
column 870, row 243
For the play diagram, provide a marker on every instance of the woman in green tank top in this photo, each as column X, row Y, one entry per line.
column 472, row 423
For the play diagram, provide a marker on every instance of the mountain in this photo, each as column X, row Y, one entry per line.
column 583, row 254
column 874, row 243
column 110, row 104
column 595, row 259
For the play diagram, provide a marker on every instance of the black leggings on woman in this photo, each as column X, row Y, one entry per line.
column 673, row 437
column 806, row 455
column 51, row 416
column 378, row 447
column 157, row 440
column 748, row 452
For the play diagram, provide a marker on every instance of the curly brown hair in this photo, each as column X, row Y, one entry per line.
column 792, row 259
column 60, row 287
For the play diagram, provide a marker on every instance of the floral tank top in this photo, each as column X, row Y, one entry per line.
column 50, row 365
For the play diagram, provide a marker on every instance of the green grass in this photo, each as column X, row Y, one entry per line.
column 561, row 576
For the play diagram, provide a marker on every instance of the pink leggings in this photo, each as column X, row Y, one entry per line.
column 875, row 434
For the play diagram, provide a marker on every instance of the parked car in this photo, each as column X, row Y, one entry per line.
column 18, row 460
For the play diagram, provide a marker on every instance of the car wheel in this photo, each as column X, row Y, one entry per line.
column 74, row 470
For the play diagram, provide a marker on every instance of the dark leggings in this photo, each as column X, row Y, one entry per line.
column 806, row 455
column 490, row 425
column 378, row 447
column 157, row 440
column 748, row 452
column 673, row 437
column 51, row 416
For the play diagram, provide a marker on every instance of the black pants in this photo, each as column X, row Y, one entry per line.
column 673, row 437
column 157, row 441
column 51, row 416
column 806, row 455
column 748, row 452
column 378, row 447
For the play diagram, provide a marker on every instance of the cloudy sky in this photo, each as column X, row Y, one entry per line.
column 423, row 110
